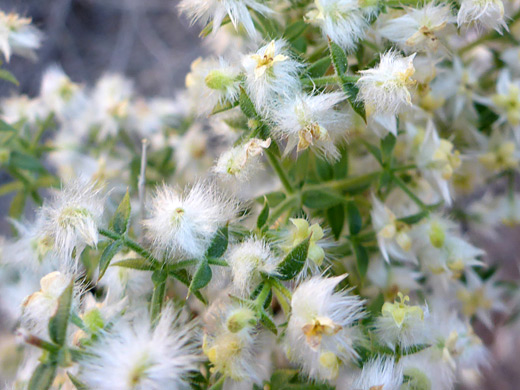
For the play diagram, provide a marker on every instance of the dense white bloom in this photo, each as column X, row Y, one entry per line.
column 23, row 108
column 248, row 260
column 488, row 13
column 271, row 75
column 231, row 345
column 419, row 29
column 321, row 330
column 507, row 101
column 401, row 324
column 391, row 278
column 40, row 306
column 437, row 160
column 215, row 11
column 185, row 223
column 427, row 370
column 242, row 161
column 343, row 21
column 379, row 374
column 311, row 121
column 385, row 89
column 71, row 219
column 480, row 297
column 211, row 82
column 392, row 235
column 62, row 96
column 135, row 355
column 18, row 36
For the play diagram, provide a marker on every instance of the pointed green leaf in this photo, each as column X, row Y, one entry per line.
column 361, row 258
column 246, row 105
column 219, row 244
column 137, row 264
column 339, row 58
column 414, row 349
column 294, row 30
column 202, row 276
column 414, row 218
column 319, row 68
column 221, row 107
column 8, row 76
column 43, row 376
column 387, row 146
column 293, row 263
column 352, row 91
column 336, row 219
column 107, row 255
column 60, row 320
column 76, row 382
column 268, row 322
column 263, row 216
column 25, row 161
column 355, row 222
column 121, row 218
column 18, row 204
column 319, row 199
column 182, row 276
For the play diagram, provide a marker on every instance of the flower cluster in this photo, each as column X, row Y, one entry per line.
column 311, row 210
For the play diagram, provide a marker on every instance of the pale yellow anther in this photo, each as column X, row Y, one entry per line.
column 265, row 63
column 400, row 310
column 319, row 327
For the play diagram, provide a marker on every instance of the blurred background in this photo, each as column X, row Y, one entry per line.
column 147, row 41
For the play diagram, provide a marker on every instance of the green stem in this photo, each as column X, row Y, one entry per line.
column 275, row 163
column 286, row 204
column 159, row 292
column 349, row 184
column 264, row 293
column 409, row 192
column 40, row 343
column 218, row 384
column 328, row 80
column 107, row 233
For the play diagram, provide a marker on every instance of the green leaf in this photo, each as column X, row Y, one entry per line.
column 268, row 322
column 221, row 107
column 339, row 58
column 319, row 68
column 107, row 255
column 264, row 215
column 341, row 166
column 43, row 376
column 293, row 263
column 18, row 204
column 5, row 127
column 121, row 218
column 361, row 258
column 352, row 91
column 246, row 105
column 321, row 199
column 182, row 276
column 374, row 151
column 25, row 161
column 60, row 320
column 76, row 382
column 8, row 76
column 414, row 349
column 294, row 30
column 202, row 276
column 355, row 222
column 336, row 218
column 324, row 169
column 414, row 218
column 137, row 264
column 387, row 146
column 219, row 244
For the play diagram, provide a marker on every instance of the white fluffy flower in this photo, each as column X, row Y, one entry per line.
column 185, row 223
column 215, row 11
column 393, row 235
column 401, row 324
column 211, row 82
column 71, row 219
column 419, row 29
column 60, row 94
column 488, row 13
column 437, row 160
column 321, row 329
column 311, row 121
column 240, row 162
column 379, row 374
column 18, row 36
column 343, row 21
column 271, row 75
column 231, row 345
column 40, row 306
column 385, row 89
column 248, row 260
column 135, row 355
